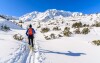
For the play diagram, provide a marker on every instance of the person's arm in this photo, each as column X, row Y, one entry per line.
column 34, row 31
column 27, row 32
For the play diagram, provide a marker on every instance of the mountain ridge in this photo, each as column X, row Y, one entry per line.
column 48, row 14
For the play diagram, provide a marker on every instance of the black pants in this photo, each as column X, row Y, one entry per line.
column 30, row 38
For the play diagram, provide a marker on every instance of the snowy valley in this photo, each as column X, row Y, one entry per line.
column 61, row 37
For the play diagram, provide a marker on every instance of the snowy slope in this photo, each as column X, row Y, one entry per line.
column 77, row 49
column 9, row 24
column 12, row 51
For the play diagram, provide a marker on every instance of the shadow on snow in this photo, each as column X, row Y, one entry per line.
column 69, row 53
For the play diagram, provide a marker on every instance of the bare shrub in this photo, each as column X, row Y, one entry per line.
column 85, row 31
column 47, row 37
column 67, row 32
column 85, row 25
column 96, row 42
column 18, row 37
column 60, row 35
column 77, row 25
column 56, row 28
column 52, row 36
column 5, row 28
column 44, row 30
column 77, row 31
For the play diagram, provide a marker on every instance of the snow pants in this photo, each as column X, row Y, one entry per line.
column 30, row 39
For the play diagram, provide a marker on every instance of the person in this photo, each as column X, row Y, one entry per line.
column 30, row 33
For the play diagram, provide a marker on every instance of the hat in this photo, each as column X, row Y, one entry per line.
column 30, row 25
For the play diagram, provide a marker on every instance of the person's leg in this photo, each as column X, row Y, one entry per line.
column 29, row 40
column 32, row 41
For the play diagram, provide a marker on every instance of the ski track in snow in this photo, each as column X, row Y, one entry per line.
column 29, row 57
column 40, row 55
column 24, row 55
column 19, row 55
column 35, row 56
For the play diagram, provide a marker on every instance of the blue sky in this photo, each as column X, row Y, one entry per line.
column 21, row 7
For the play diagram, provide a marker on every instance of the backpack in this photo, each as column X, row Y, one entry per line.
column 30, row 31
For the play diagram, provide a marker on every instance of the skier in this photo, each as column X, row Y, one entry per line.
column 30, row 33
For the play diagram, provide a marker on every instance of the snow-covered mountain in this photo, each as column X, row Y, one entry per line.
column 8, row 17
column 48, row 14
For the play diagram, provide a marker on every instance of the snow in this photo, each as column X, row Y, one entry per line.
column 9, row 24
column 70, row 50
column 11, row 50
column 78, row 48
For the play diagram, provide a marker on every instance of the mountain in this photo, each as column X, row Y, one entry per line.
column 48, row 14
column 8, row 17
